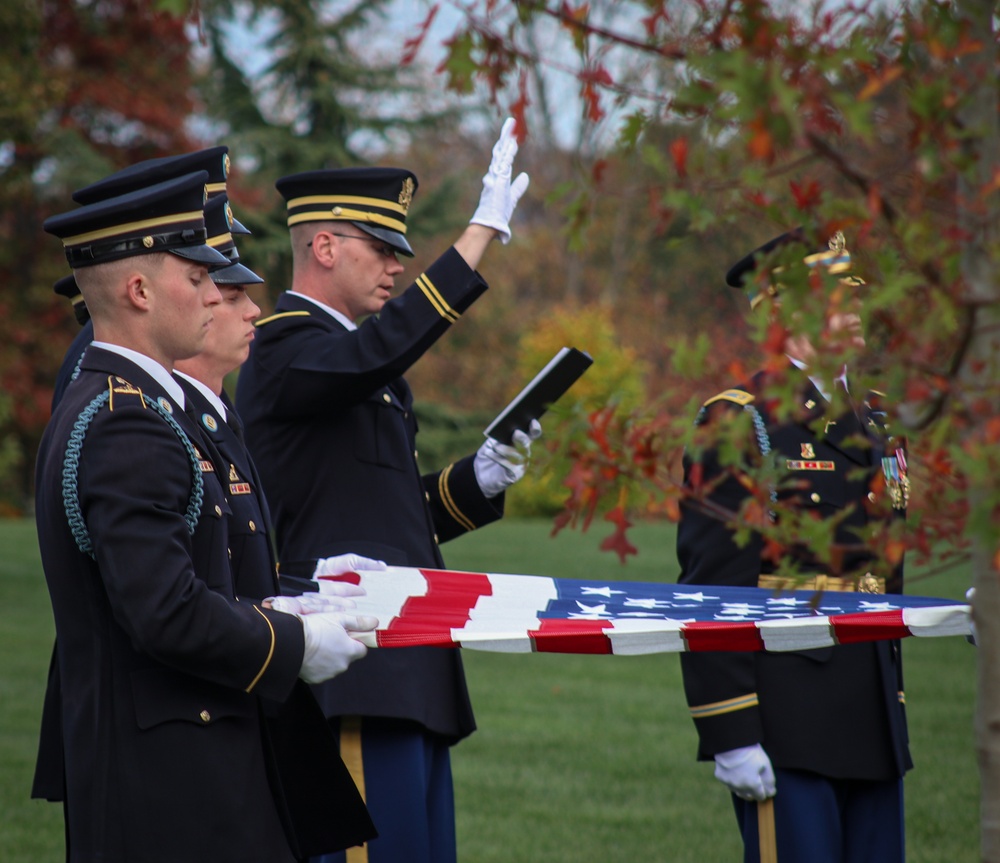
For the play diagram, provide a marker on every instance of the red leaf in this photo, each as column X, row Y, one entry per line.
column 679, row 153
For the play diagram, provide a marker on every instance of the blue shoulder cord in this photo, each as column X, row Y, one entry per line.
column 71, row 469
column 763, row 442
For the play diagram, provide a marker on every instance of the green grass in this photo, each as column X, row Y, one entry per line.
column 576, row 757
column 592, row 757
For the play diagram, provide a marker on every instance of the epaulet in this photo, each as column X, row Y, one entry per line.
column 738, row 397
column 281, row 315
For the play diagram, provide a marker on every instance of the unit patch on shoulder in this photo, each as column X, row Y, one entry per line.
column 121, row 387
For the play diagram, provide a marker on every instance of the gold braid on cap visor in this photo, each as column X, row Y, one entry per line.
column 836, row 261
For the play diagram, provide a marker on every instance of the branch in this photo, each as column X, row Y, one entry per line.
column 564, row 16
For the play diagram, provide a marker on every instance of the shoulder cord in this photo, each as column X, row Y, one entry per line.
column 764, row 442
column 71, row 469
column 76, row 368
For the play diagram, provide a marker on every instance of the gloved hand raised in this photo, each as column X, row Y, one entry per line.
column 498, row 465
column 329, row 648
column 747, row 772
column 500, row 196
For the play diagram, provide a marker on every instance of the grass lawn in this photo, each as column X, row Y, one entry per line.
column 576, row 758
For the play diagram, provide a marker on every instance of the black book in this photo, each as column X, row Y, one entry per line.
column 548, row 385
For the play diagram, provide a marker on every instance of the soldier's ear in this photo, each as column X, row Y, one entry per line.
column 137, row 289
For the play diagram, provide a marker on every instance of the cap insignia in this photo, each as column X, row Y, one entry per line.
column 837, row 242
column 406, row 194
column 225, row 164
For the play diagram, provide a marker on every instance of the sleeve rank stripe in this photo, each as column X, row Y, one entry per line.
column 449, row 501
column 270, row 652
column 731, row 705
column 436, row 300
column 268, row 320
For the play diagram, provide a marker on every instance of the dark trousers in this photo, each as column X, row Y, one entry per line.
column 822, row 820
column 408, row 791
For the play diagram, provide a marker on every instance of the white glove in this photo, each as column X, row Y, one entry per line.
column 329, row 646
column 747, row 772
column 342, row 563
column 973, row 639
column 500, row 195
column 314, row 603
column 498, row 465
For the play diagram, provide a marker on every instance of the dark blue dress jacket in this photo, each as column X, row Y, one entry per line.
column 329, row 421
column 836, row 711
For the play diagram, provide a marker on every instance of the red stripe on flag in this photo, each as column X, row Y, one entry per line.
column 418, row 637
column 349, row 577
column 721, row 635
column 869, row 626
column 445, row 606
column 572, row 636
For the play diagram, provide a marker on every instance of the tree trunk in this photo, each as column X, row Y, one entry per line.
column 981, row 374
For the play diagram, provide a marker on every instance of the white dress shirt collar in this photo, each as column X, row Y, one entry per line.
column 213, row 399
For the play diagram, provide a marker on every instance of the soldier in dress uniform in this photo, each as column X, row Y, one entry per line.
column 162, row 671
column 329, row 420
column 812, row 744
column 214, row 161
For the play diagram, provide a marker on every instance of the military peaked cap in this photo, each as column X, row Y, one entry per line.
column 68, row 288
column 835, row 258
column 219, row 223
column 166, row 217
column 376, row 200
column 214, row 161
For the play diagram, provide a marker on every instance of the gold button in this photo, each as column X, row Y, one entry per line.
column 415, row 454
column 253, row 527
column 814, row 497
column 337, row 211
column 386, row 398
column 218, row 510
column 230, row 553
column 205, row 716
column 871, row 496
column 436, row 540
column 427, row 495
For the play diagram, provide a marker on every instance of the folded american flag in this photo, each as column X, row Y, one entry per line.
column 527, row 613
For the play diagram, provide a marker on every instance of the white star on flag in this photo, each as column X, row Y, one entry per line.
column 599, row 591
column 647, row 603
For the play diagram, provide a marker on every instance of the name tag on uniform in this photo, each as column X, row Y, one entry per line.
column 798, row 464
